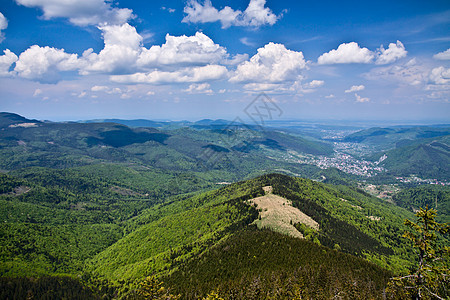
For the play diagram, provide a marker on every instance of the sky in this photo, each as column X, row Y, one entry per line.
column 196, row 59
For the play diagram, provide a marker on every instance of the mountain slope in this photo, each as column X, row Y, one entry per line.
column 204, row 220
column 428, row 158
column 388, row 138
column 8, row 119
column 63, row 145
column 187, row 237
column 254, row 264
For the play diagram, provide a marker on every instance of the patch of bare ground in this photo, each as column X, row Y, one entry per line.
column 18, row 190
column 374, row 218
column 24, row 125
column 278, row 214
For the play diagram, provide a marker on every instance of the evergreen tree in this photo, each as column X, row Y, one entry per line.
column 431, row 278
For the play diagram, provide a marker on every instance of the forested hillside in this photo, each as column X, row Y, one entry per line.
column 169, row 236
column 101, row 210
column 428, row 158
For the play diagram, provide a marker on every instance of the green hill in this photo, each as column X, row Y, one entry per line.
column 435, row 196
column 187, row 237
column 63, row 145
column 8, row 119
column 254, row 264
column 204, row 220
column 428, row 158
column 94, row 208
column 391, row 137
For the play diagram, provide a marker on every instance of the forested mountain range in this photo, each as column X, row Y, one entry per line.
column 91, row 210
column 391, row 137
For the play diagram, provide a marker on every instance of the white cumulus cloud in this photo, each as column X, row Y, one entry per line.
column 271, row 64
column 391, row 54
column 198, row 49
column 120, row 53
column 3, row 26
column 190, row 74
column 255, row 15
column 45, row 63
column 444, row 55
column 180, row 58
column 355, row 88
column 315, row 84
column 81, row 12
column 440, row 75
column 6, row 62
column 347, row 53
column 199, row 88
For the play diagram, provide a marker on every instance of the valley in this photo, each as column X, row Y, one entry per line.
column 102, row 209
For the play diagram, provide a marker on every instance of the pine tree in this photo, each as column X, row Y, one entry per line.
column 431, row 278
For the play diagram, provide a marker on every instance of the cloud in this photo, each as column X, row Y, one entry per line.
column 440, row 75
column 99, row 88
column 306, row 88
column 81, row 12
column 315, row 84
column 255, row 15
column 37, row 92
column 199, row 88
column 120, row 53
column 351, row 52
column 445, row 55
column 123, row 52
column 198, row 49
column 267, row 87
column 361, row 99
column 6, row 62
column 409, row 73
column 355, row 88
column 3, row 26
column 330, row 96
column 246, row 42
column 393, row 53
column 170, row 10
column 206, row 13
column 413, row 74
column 191, row 74
column 345, row 54
column 44, row 64
column 272, row 64
column 182, row 59
column 106, row 89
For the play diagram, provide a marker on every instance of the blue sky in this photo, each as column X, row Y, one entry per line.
column 342, row 60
